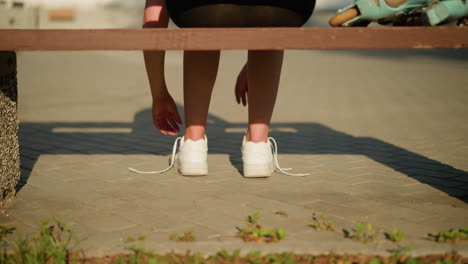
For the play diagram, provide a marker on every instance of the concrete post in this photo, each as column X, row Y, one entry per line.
column 9, row 148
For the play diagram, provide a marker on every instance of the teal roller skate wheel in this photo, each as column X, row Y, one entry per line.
column 445, row 11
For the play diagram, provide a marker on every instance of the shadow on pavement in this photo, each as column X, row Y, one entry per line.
column 140, row 137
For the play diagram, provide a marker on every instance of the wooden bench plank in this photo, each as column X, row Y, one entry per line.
column 236, row 38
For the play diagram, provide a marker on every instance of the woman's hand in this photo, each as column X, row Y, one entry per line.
column 242, row 86
column 165, row 115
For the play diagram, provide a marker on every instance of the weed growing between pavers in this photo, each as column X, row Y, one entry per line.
column 138, row 253
column 51, row 244
column 400, row 254
column 321, row 223
column 363, row 232
column 131, row 239
column 185, row 237
column 396, row 235
column 6, row 229
column 452, row 235
column 253, row 231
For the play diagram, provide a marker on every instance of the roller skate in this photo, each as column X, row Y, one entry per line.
column 446, row 11
column 363, row 12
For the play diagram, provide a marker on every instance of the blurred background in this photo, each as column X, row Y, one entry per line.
column 103, row 13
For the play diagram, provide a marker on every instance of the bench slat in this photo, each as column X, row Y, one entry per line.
column 235, row 38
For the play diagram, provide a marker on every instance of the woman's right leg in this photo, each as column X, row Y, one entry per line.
column 200, row 70
column 264, row 72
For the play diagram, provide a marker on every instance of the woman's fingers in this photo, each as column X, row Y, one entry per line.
column 241, row 92
column 160, row 126
column 174, row 125
column 172, row 113
column 237, row 92
column 168, row 129
column 242, row 86
column 168, row 125
column 166, row 118
column 176, row 117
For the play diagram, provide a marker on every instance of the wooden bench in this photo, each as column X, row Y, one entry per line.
column 189, row 39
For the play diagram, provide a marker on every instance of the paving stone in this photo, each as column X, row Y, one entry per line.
column 100, row 221
column 30, row 217
column 61, row 190
column 442, row 210
column 227, row 206
column 161, row 221
column 340, row 211
column 209, row 218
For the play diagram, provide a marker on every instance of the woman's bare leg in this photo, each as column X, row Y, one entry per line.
column 264, row 72
column 200, row 70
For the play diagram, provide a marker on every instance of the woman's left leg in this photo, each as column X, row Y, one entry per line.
column 200, row 70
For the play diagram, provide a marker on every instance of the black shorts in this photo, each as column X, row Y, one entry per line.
column 240, row 13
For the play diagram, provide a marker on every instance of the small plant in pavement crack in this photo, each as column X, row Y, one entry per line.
column 253, row 231
column 185, row 237
column 452, row 235
column 139, row 255
column 363, row 232
column 321, row 223
column 396, row 235
column 6, row 229
column 50, row 245
column 400, row 255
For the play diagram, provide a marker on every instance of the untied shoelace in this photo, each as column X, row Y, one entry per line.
column 278, row 169
column 274, row 147
column 174, row 150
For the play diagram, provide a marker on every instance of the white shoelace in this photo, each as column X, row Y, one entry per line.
column 174, row 150
column 277, row 166
column 274, row 146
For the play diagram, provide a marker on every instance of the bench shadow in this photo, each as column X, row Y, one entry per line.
column 140, row 137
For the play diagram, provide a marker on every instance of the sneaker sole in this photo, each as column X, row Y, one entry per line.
column 257, row 171
column 194, row 169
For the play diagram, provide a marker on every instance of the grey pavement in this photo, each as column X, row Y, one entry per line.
column 384, row 135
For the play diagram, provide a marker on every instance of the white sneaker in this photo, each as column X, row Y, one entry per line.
column 257, row 159
column 190, row 160
column 260, row 159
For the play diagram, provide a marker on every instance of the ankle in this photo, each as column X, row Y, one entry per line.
column 195, row 133
column 257, row 137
